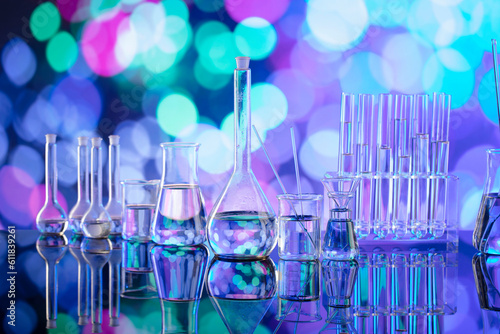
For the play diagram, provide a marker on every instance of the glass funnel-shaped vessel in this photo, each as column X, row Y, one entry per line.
column 83, row 203
column 242, row 223
column 486, row 237
column 179, row 218
column 114, row 206
column 340, row 241
column 51, row 218
column 96, row 222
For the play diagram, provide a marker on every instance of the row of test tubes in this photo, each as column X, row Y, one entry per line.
column 398, row 145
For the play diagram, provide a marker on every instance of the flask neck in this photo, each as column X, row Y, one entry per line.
column 50, row 173
column 180, row 163
column 242, row 120
column 340, row 214
column 114, row 172
column 96, row 176
column 83, row 173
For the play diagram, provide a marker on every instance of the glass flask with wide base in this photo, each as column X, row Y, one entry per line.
column 242, row 224
column 83, row 202
column 340, row 241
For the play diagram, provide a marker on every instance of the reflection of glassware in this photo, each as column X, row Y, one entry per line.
column 51, row 218
column 486, row 237
column 340, row 239
column 179, row 273
column 82, row 204
column 114, row 207
column 294, row 243
column 339, row 278
column 179, row 219
column 52, row 249
column 139, row 199
column 96, row 222
column 241, row 292
column 242, row 223
column 137, row 271
column 487, row 275
column 298, row 291
column 96, row 252
column 83, row 279
column 115, row 261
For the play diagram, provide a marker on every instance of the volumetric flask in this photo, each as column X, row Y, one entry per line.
column 139, row 199
column 179, row 219
column 299, row 226
column 242, row 224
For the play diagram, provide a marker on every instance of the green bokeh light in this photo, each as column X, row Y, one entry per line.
column 99, row 7
column 255, row 38
column 218, row 53
column 207, row 30
column 269, row 105
column 208, row 80
column 209, row 6
column 45, row 21
column 64, row 321
column 177, row 8
column 175, row 112
column 62, row 51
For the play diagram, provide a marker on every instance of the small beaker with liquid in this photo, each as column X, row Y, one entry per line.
column 299, row 226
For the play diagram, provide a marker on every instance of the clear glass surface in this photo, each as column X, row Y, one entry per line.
column 83, row 279
column 83, row 202
column 137, row 271
column 139, row 198
column 179, row 217
column 114, row 205
column 242, row 223
column 51, row 218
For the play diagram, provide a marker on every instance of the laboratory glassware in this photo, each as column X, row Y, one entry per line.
column 96, row 223
column 114, row 206
column 51, row 218
column 340, row 241
column 83, row 279
column 96, row 252
column 115, row 261
column 179, row 273
column 137, row 271
column 139, row 198
column 179, row 217
column 486, row 234
column 52, row 249
column 241, row 291
column 294, row 242
column 242, row 223
column 83, row 203
column 347, row 155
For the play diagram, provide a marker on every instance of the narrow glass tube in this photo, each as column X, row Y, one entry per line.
column 363, row 290
column 436, row 127
column 115, row 261
column 51, row 218
column 381, row 284
column 437, row 284
column 421, row 127
column 347, row 157
column 399, row 285
column 83, row 203
column 114, row 206
column 418, row 284
column 383, row 194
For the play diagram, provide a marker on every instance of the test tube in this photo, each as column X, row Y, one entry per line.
column 418, row 283
column 399, row 285
column 363, row 303
column 366, row 145
column 381, row 286
column 383, row 177
column 347, row 157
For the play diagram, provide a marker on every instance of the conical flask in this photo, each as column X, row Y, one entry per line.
column 340, row 241
column 242, row 223
column 241, row 292
column 179, row 218
column 51, row 218
column 486, row 237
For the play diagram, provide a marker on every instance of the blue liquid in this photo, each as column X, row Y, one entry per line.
column 340, row 240
column 487, row 230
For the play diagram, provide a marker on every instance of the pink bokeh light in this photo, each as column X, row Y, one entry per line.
column 37, row 199
column 99, row 39
column 271, row 12
column 75, row 10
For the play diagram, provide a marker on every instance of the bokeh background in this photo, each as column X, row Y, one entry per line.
column 155, row 71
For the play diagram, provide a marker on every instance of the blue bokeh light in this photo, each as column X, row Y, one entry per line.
column 18, row 61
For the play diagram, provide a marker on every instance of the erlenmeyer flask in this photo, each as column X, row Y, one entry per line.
column 83, row 203
column 242, row 223
column 51, row 218
column 486, row 235
column 96, row 222
column 179, row 218
column 340, row 239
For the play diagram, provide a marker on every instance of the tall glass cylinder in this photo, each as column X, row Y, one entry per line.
column 51, row 218
column 114, row 206
column 486, row 237
column 347, row 155
column 179, row 217
column 83, row 202
column 242, row 223
column 96, row 222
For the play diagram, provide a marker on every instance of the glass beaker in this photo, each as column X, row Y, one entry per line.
column 179, row 218
column 137, row 271
column 51, row 218
column 486, row 237
column 299, row 226
column 340, row 241
column 139, row 198
column 242, row 223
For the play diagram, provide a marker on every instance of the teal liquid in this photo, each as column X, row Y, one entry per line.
column 487, row 230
